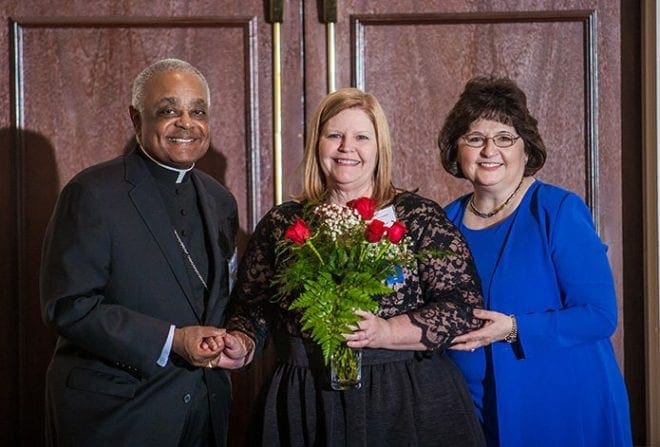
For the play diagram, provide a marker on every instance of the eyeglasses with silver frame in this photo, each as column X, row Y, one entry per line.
column 502, row 140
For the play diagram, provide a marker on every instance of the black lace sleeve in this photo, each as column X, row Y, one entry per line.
column 252, row 305
column 449, row 285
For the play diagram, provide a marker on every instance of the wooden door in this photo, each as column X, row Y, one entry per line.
column 70, row 65
column 416, row 56
column 69, row 73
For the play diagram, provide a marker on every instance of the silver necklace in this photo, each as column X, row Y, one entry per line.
column 190, row 260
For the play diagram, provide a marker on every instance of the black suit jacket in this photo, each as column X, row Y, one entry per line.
column 113, row 279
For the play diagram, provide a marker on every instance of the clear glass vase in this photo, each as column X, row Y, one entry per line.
column 346, row 369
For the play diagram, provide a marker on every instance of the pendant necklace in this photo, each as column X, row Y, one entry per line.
column 497, row 209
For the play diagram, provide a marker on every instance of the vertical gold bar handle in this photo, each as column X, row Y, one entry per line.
column 329, row 17
column 275, row 17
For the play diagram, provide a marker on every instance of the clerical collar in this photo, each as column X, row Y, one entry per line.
column 181, row 173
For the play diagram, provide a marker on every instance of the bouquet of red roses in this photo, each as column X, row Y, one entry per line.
column 338, row 259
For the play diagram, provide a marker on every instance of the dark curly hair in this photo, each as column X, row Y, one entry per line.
column 496, row 99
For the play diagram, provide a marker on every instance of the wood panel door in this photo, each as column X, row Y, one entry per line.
column 70, row 65
column 416, row 56
column 65, row 107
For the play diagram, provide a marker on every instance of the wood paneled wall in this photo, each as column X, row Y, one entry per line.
column 64, row 107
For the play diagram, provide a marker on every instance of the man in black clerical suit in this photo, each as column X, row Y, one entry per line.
column 134, row 277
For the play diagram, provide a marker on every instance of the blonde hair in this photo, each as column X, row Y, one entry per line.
column 315, row 186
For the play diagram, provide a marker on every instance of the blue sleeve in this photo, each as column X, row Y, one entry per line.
column 588, row 309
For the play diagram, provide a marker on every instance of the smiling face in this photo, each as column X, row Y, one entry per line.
column 173, row 123
column 348, row 153
column 496, row 168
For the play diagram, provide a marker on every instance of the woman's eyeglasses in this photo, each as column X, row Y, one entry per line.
column 478, row 140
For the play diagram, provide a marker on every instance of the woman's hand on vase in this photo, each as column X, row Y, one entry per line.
column 370, row 332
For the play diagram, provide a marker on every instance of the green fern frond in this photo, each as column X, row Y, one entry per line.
column 336, row 272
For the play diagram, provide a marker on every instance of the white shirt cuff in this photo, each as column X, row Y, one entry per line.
column 167, row 347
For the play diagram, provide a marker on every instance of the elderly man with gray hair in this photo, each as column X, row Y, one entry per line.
column 134, row 277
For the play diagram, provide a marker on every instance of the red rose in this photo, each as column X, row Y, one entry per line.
column 396, row 231
column 374, row 231
column 298, row 232
column 365, row 206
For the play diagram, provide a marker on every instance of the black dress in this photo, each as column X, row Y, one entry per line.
column 407, row 398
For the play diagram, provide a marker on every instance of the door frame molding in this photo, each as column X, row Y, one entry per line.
column 651, row 212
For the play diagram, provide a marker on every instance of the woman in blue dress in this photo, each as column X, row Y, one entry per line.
column 541, row 370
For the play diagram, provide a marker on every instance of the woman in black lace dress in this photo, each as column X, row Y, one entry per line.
column 411, row 393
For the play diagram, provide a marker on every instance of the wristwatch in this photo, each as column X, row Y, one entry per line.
column 512, row 336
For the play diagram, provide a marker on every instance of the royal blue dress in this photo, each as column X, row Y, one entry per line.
column 559, row 384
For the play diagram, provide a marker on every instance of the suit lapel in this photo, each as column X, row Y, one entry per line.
column 147, row 200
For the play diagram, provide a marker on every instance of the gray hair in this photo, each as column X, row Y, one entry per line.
column 160, row 67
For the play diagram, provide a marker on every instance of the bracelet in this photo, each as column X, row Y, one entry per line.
column 512, row 336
